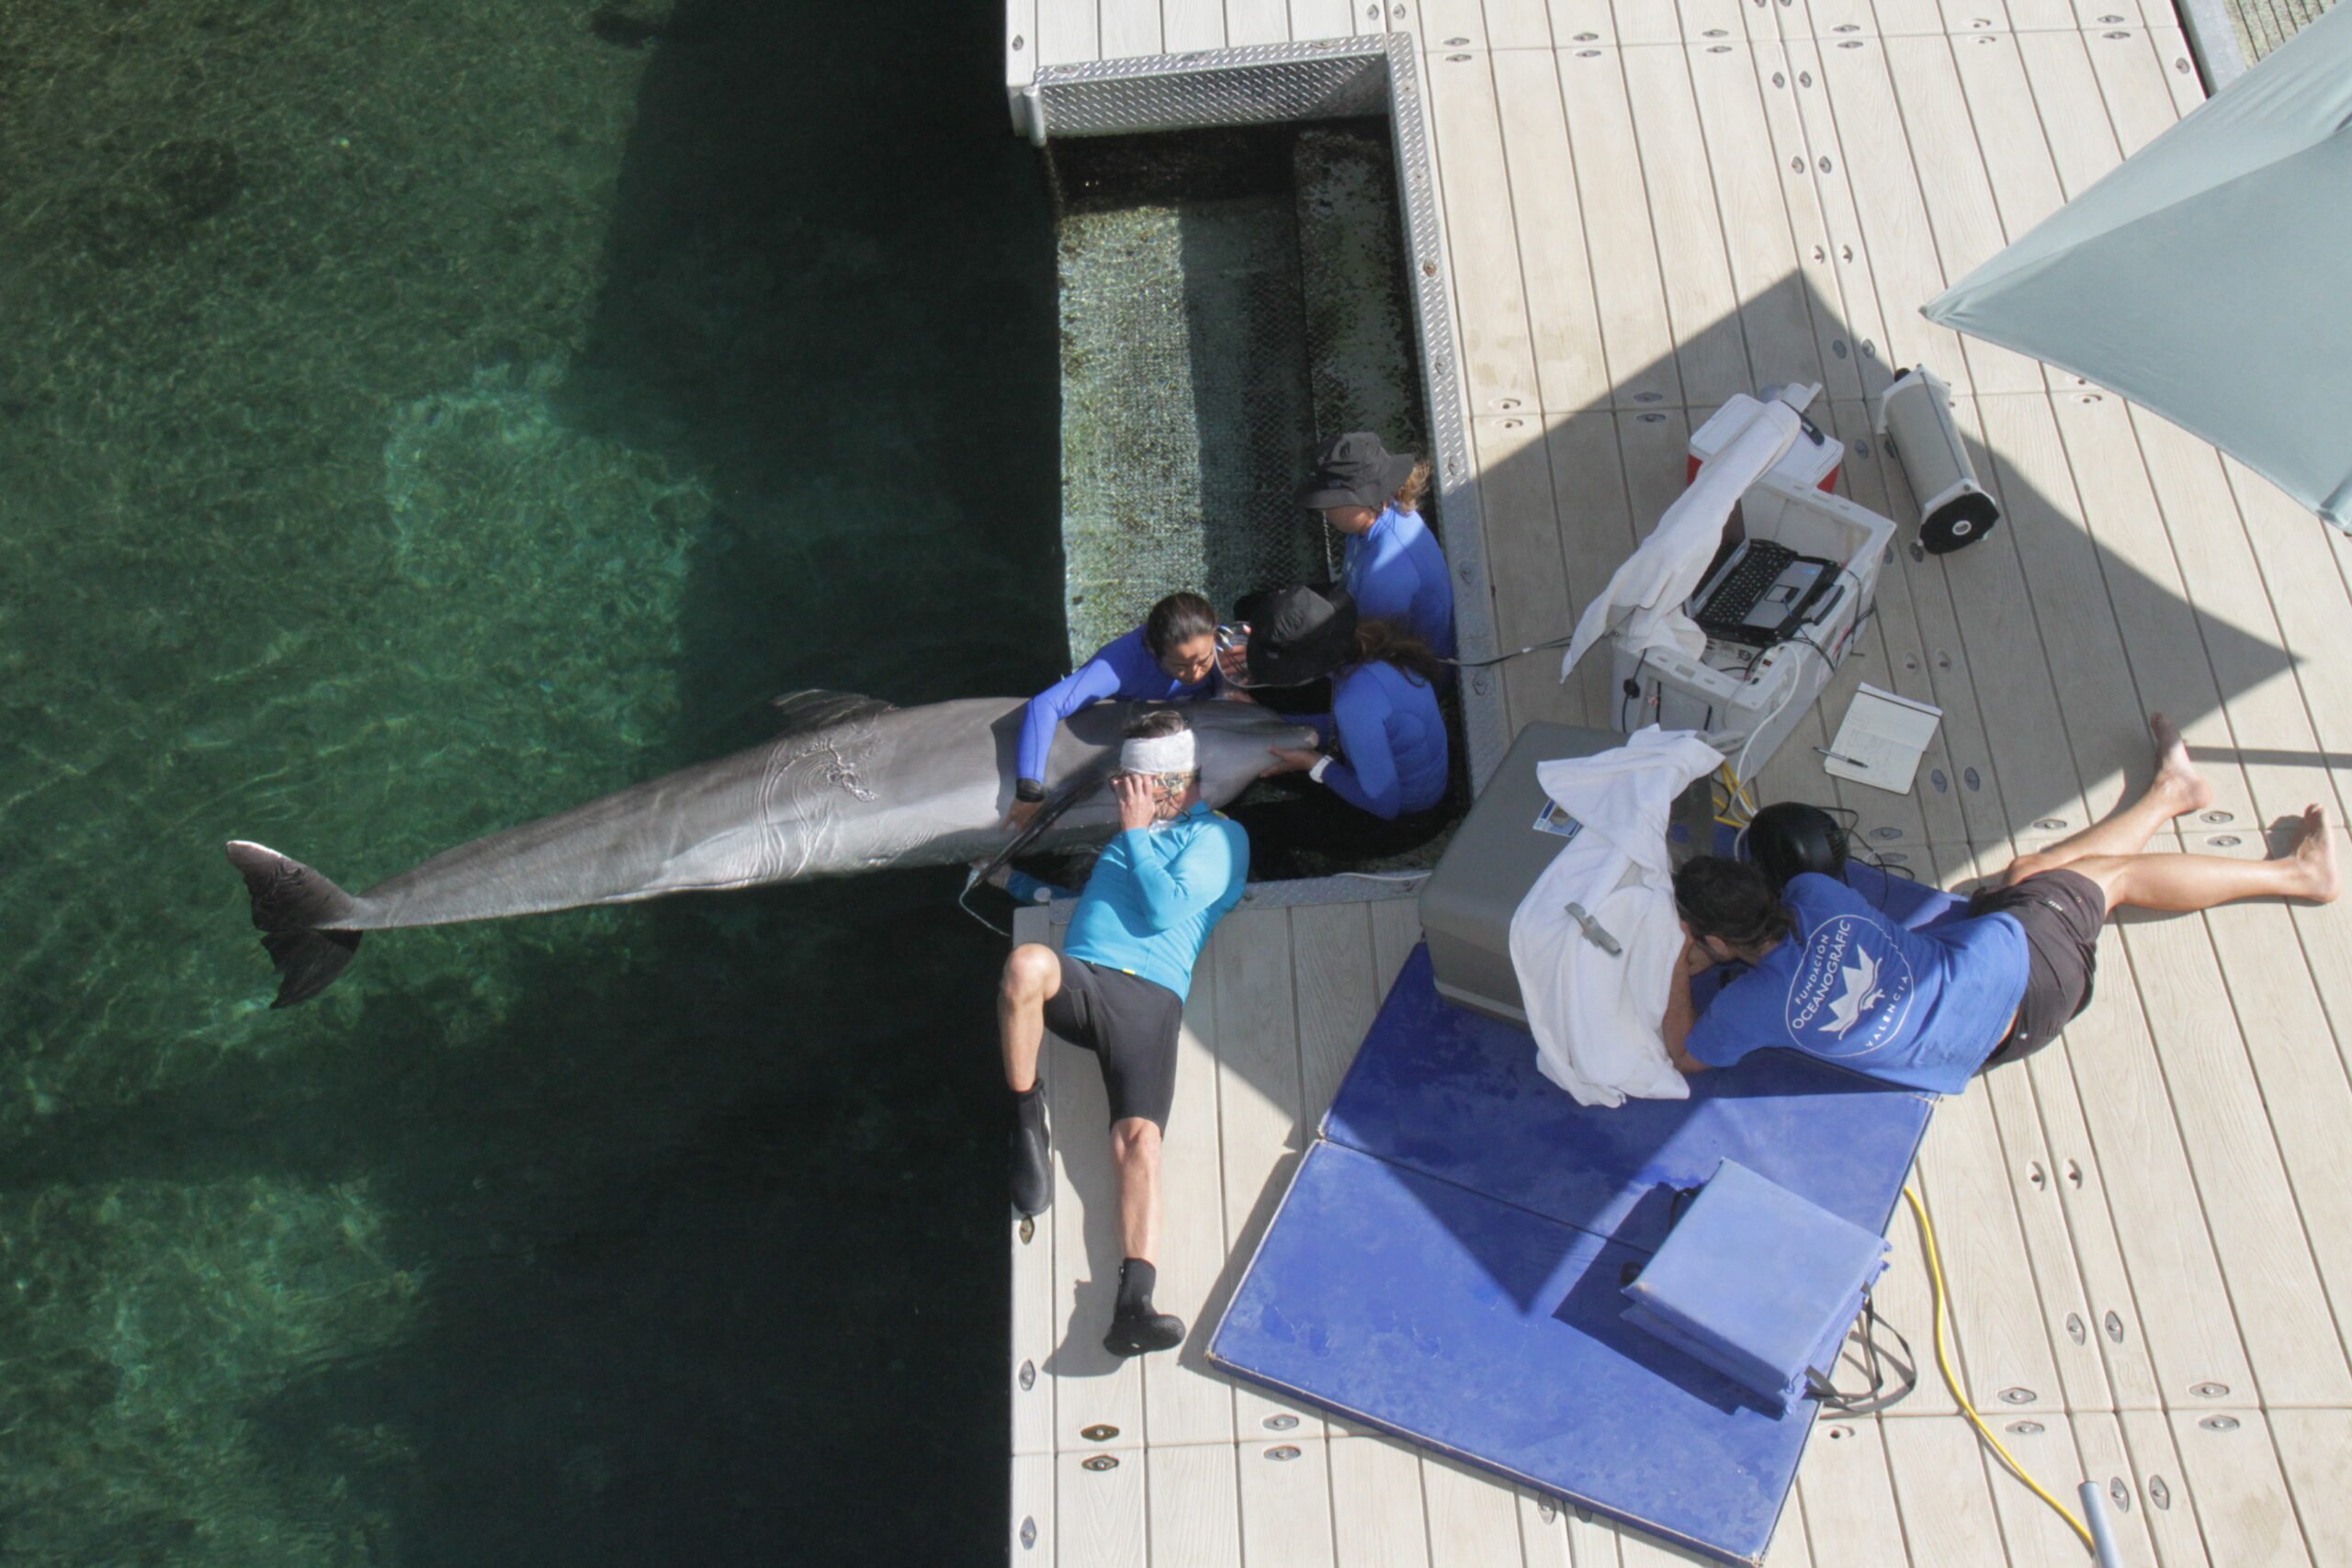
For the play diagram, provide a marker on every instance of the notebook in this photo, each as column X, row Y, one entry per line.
column 1882, row 740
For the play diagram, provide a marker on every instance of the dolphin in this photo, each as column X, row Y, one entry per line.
column 851, row 785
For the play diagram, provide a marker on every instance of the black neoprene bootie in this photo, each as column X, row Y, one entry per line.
column 1033, row 1153
column 1135, row 1329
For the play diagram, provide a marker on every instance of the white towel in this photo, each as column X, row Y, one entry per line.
column 1643, row 604
column 1596, row 1017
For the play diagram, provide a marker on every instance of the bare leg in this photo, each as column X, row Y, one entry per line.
column 1135, row 1149
column 2177, row 789
column 2183, row 884
column 1032, row 976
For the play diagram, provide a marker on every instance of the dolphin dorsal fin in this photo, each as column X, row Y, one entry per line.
column 817, row 709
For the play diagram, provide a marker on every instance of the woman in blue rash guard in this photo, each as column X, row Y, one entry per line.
column 1384, row 756
column 1393, row 566
column 1171, row 658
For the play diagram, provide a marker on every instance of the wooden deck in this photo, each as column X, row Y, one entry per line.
column 2148, row 1230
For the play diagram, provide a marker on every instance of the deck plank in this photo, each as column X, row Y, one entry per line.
column 1701, row 305
column 1473, row 1522
column 1635, row 329
column 2315, row 1449
column 1866, row 315
column 1033, row 1510
column 1531, row 588
column 2241, row 1177
column 1182, row 1401
column 1376, row 1513
column 1497, row 358
column 2139, row 104
column 1068, row 32
column 1851, row 1518
column 1817, row 277
column 1251, row 22
column 1100, row 1512
column 1955, row 187
column 1287, row 1502
column 2173, row 1528
column 1314, row 20
column 1130, row 27
column 1395, row 931
column 1194, row 1506
column 1035, row 1293
column 1597, row 533
column 2072, row 1326
column 1571, row 366
column 1517, row 24
column 1757, row 237
column 2241, row 1497
column 1894, row 218
column 1939, row 1484
column 1336, row 970
column 1187, row 25
column 1091, row 1387
column 2313, row 610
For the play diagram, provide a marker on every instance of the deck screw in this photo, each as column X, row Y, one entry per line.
column 2050, row 824
column 1780, row 79
column 1714, row 32
column 1804, row 78
column 1936, row 777
column 1282, row 1423
column 2209, row 1390
column 2120, row 1492
column 1823, row 165
column 1285, row 1451
column 2158, row 1493
column 2218, row 1423
column 1796, row 165
column 2219, row 817
column 1017, row 41
column 2033, row 1173
column 2019, row 1396
column 2114, row 1326
column 2074, row 1329
column 1028, row 1229
column 1887, row 832
column 1100, row 1463
column 1893, row 857
column 1028, row 1376
column 1839, row 1434
column 2227, row 840
column 2027, row 1429
column 1587, row 55
column 1548, row 1510
column 2075, row 1176
column 1970, row 777
column 1029, row 1533
column 1649, row 396
column 1100, row 1432
column 1587, row 37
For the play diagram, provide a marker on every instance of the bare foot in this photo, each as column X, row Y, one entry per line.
column 2177, row 777
column 2315, row 854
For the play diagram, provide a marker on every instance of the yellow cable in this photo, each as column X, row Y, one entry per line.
column 1943, row 1360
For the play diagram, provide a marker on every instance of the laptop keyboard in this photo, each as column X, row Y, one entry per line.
column 1758, row 566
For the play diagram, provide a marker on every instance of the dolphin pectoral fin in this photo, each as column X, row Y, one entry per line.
column 295, row 910
column 819, row 709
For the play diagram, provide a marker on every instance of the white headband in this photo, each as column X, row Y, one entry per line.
column 1160, row 754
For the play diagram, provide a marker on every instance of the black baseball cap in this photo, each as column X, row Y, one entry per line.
column 1355, row 470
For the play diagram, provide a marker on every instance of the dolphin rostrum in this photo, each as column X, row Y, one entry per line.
column 852, row 785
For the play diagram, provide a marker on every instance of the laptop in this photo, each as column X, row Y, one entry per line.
column 1761, row 592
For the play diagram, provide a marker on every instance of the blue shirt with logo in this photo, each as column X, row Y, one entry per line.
column 1396, row 572
column 1155, row 895
column 1920, row 1007
column 1123, row 670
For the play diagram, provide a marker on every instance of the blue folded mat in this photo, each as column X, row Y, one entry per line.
column 1450, row 1261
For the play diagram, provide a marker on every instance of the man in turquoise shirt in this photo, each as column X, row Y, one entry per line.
column 1117, row 988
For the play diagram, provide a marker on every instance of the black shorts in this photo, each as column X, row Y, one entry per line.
column 1131, row 1024
column 2062, row 912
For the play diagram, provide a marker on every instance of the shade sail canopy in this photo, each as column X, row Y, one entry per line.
column 2209, row 277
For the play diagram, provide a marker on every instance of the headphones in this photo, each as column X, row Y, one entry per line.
column 1790, row 837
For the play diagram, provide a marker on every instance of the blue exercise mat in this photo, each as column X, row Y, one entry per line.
column 1449, row 1262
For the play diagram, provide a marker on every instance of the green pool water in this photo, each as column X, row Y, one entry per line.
column 415, row 417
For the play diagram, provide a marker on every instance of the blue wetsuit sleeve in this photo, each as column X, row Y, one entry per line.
column 1368, row 779
column 1170, row 891
column 1091, row 683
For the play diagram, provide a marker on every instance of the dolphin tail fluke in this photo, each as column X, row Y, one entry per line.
column 295, row 910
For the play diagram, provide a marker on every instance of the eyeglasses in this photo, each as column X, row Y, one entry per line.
column 1169, row 783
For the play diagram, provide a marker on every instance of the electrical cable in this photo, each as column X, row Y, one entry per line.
column 1952, row 1379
